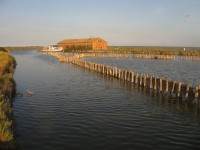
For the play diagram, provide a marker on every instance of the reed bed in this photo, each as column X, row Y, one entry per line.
column 159, row 51
column 7, row 89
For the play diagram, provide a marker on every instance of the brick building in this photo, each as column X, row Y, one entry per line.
column 88, row 43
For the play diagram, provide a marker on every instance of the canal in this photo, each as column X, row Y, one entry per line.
column 74, row 108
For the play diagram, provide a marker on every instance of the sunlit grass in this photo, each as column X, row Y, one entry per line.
column 5, row 130
column 160, row 51
column 5, row 122
column 7, row 86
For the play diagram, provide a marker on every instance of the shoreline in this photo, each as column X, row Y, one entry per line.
column 156, row 50
column 7, row 91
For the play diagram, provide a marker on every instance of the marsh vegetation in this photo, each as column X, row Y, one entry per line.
column 7, row 89
column 157, row 50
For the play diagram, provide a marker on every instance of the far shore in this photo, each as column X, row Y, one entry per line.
column 182, row 51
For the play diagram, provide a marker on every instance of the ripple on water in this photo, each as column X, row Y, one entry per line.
column 73, row 108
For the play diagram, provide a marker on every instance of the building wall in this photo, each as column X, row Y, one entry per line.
column 95, row 45
column 75, row 45
column 99, row 45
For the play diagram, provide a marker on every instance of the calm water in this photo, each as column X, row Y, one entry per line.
column 186, row 71
column 73, row 108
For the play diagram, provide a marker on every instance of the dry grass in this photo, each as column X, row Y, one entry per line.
column 6, row 133
column 160, row 51
column 24, row 48
column 7, row 67
column 7, row 86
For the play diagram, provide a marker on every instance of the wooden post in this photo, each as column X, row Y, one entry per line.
column 125, row 73
column 94, row 66
column 132, row 77
column 155, row 83
column 99, row 68
column 145, row 79
column 103, row 69
column 179, row 89
column 128, row 76
column 119, row 73
column 173, row 87
column 107, row 70
column 122, row 74
column 151, row 86
column 161, row 85
column 196, row 94
column 167, row 87
column 116, row 72
column 136, row 78
column 140, row 79
column 187, row 91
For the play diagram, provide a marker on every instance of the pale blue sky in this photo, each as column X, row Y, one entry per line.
column 120, row 22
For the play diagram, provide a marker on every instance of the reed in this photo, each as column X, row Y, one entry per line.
column 158, row 51
column 7, row 88
column 39, row 48
column 6, row 133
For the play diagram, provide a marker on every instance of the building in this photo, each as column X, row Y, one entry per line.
column 87, row 43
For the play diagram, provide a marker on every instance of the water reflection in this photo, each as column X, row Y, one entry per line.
column 165, row 102
column 179, row 70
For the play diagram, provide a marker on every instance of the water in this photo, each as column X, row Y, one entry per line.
column 73, row 108
column 180, row 70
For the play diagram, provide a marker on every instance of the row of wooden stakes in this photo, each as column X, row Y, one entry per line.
column 159, row 84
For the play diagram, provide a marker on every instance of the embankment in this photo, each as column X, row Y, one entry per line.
column 7, row 90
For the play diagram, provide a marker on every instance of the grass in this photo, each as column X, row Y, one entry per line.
column 24, row 48
column 156, row 50
column 6, row 133
column 7, row 88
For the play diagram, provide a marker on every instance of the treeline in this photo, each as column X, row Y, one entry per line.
column 7, row 90
column 159, row 51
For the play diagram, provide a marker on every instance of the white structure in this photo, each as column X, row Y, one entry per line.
column 52, row 48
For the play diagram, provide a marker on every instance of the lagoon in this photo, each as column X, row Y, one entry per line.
column 74, row 108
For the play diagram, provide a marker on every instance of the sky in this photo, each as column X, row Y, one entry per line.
column 119, row 22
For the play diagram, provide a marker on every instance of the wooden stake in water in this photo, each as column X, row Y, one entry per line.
column 173, row 87
column 125, row 73
column 196, row 92
column 145, row 79
column 167, row 87
column 151, row 78
column 136, row 78
column 155, row 84
column 132, row 76
column 161, row 85
column 119, row 73
column 179, row 89
column 140, row 79
column 187, row 91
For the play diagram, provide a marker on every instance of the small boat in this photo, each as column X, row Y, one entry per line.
column 52, row 48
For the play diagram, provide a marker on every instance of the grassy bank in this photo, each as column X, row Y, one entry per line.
column 24, row 48
column 157, row 50
column 7, row 89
